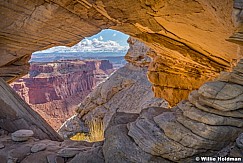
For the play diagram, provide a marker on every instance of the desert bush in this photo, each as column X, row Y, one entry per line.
column 96, row 132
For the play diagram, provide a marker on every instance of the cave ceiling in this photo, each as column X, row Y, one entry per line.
column 187, row 38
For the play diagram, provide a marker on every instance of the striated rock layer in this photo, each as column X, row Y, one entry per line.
column 55, row 89
column 187, row 36
column 15, row 114
column 126, row 90
column 206, row 124
column 209, row 120
column 138, row 53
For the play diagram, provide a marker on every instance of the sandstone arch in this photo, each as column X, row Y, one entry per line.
column 188, row 37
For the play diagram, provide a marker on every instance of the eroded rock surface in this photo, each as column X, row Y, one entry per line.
column 22, row 135
column 72, row 126
column 209, row 123
column 127, row 90
column 47, row 151
column 205, row 123
column 138, row 53
column 119, row 147
column 16, row 114
column 182, row 33
column 55, row 89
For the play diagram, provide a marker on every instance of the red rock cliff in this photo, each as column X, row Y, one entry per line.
column 54, row 89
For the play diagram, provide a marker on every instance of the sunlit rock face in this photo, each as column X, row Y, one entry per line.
column 138, row 53
column 188, row 37
column 55, row 89
column 209, row 120
column 164, row 85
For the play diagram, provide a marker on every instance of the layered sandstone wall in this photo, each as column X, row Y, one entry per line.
column 203, row 125
column 138, row 53
column 126, row 90
column 188, row 37
column 55, row 89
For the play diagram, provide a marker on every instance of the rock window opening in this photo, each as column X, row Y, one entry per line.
column 61, row 77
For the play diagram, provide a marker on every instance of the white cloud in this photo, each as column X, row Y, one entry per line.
column 88, row 45
column 100, row 38
column 97, row 44
column 114, row 35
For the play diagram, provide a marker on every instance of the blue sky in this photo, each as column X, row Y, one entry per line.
column 106, row 41
column 109, row 34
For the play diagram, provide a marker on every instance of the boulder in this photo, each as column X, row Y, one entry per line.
column 38, row 147
column 54, row 159
column 67, row 152
column 151, row 139
column 119, row 147
column 239, row 141
column 90, row 156
column 72, row 126
column 22, row 135
column 19, row 153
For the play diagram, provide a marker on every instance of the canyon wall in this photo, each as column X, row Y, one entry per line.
column 187, row 36
column 208, row 124
column 126, row 90
column 55, row 89
column 16, row 114
column 140, row 127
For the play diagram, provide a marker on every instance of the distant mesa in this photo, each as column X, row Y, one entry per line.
column 55, row 89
